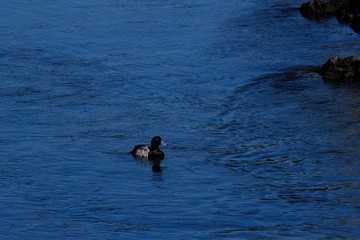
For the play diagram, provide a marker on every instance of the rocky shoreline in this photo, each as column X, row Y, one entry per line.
column 341, row 69
column 347, row 12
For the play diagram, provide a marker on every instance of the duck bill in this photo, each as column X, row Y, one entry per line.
column 163, row 143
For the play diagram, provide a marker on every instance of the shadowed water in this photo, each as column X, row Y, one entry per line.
column 259, row 147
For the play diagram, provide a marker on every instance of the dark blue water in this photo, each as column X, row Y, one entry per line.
column 258, row 146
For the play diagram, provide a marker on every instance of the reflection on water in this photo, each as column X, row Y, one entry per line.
column 258, row 145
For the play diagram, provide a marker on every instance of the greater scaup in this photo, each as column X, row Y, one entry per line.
column 151, row 152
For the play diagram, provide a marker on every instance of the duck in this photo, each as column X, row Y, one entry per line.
column 150, row 152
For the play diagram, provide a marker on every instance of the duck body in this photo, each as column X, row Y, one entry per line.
column 150, row 152
column 141, row 151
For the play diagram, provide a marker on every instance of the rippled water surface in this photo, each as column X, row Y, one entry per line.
column 259, row 147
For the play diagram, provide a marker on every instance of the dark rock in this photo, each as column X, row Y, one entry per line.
column 355, row 24
column 316, row 9
column 341, row 69
column 348, row 11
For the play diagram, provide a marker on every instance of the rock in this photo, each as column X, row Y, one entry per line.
column 345, row 10
column 348, row 11
column 355, row 24
column 316, row 9
column 341, row 69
